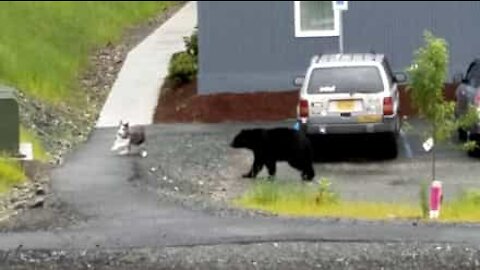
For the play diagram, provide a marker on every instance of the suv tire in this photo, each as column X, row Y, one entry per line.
column 462, row 135
column 391, row 147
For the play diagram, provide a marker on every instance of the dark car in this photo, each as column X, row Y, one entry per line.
column 468, row 94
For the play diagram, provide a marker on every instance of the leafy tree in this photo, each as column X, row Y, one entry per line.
column 427, row 75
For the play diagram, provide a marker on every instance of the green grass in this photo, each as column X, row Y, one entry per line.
column 44, row 45
column 28, row 136
column 10, row 174
column 293, row 199
column 463, row 209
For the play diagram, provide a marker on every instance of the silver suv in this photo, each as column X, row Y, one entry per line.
column 350, row 94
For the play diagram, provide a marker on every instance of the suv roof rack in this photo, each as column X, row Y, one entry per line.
column 347, row 57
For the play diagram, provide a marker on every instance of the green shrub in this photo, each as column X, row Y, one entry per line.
column 183, row 68
column 324, row 194
column 191, row 43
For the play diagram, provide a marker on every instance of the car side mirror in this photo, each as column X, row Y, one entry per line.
column 458, row 78
column 400, row 77
column 298, row 81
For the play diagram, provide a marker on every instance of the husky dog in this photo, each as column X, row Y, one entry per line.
column 128, row 136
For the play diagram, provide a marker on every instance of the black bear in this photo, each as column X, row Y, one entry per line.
column 277, row 144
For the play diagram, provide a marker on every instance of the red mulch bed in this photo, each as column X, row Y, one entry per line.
column 183, row 105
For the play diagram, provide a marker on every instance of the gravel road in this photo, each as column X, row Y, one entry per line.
column 276, row 255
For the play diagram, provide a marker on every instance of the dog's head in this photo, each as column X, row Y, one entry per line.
column 123, row 130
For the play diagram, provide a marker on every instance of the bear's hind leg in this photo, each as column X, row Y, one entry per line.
column 272, row 168
column 305, row 167
column 308, row 173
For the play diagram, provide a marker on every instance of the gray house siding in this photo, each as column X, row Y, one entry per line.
column 251, row 46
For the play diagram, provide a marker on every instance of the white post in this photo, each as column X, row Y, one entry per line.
column 340, row 7
column 340, row 43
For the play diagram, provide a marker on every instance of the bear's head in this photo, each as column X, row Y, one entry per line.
column 247, row 138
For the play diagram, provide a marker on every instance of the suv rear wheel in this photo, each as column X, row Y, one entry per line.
column 391, row 147
column 476, row 151
column 462, row 135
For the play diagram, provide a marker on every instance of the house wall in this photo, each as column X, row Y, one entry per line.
column 251, row 46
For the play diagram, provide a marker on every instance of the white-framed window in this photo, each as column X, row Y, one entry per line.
column 316, row 19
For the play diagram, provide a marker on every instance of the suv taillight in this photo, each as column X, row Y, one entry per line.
column 387, row 106
column 303, row 108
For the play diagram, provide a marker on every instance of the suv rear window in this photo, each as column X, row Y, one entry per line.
column 364, row 79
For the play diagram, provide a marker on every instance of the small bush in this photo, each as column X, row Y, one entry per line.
column 325, row 195
column 191, row 43
column 183, row 68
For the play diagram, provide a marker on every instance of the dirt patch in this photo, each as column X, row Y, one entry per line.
column 183, row 104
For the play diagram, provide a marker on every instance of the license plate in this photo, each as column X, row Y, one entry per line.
column 369, row 118
column 346, row 105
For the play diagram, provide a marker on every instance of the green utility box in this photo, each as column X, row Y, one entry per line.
column 9, row 121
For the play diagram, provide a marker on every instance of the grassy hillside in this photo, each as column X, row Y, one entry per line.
column 44, row 45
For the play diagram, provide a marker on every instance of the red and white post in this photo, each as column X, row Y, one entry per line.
column 436, row 197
